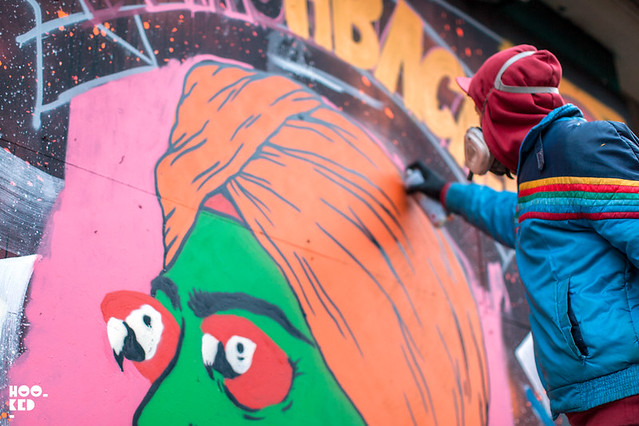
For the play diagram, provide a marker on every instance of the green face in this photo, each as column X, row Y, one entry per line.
column 245, row 351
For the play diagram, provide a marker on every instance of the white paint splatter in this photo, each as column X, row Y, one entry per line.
column 15, row 274
column 24, row 207
column 4, row 310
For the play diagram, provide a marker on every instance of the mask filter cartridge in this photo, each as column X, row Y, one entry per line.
column 477, row 157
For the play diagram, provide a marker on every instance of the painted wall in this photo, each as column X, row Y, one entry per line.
column 202, row 218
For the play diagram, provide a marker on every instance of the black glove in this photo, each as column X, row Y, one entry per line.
column 433, row 183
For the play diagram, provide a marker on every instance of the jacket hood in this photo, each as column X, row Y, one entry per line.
column 513, row 90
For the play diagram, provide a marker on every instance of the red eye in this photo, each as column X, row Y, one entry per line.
column 141, row 330
column 256, row 371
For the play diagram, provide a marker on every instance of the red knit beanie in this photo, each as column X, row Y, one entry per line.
column 514, row 91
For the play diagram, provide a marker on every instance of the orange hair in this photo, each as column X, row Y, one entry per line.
column 384, row 295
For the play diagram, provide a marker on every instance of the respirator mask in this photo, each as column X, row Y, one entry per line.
column 477, row 156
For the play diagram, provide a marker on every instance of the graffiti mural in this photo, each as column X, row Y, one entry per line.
column 238, row 138
column 203, row 220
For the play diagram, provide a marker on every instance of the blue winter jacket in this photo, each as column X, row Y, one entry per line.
column 574, row 224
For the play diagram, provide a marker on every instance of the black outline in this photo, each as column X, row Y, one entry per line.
column 169, row 288
column 204, row 304
column 156, row 384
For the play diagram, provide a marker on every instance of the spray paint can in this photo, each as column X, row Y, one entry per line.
column 433, row 208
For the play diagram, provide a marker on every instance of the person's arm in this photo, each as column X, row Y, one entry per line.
column 491, row 211
column 617, row 219
column 622, row 234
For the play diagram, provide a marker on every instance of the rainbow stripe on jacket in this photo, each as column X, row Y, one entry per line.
column 565, row 198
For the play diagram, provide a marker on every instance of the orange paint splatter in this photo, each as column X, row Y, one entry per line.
column 174, row 30
column 62, row 13
column 96, row 31
column 146, row 25
column 366, row 81
column 107, row 25
column 170, row 50
column 467, row 51
column 389, row 113
column 460, row 32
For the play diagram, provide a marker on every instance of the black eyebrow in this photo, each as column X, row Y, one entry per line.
column 204, row 303
column 168, row 287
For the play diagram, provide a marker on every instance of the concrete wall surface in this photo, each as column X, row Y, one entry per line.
column 203, row 221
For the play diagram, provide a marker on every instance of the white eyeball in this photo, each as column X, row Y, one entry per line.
column 209, row 349
column 146, row 322
column 116, row 332
column 239, row 353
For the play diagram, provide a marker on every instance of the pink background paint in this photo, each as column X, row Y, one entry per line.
column 104, row 235
column 500, row 412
